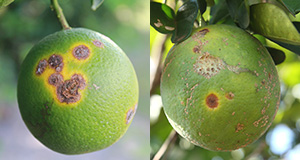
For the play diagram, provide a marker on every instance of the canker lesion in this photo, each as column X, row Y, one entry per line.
column 67, row 91
column 81, row 52
column 41, row 67
column 130, row 113
column 56, row 62
column 212, row 101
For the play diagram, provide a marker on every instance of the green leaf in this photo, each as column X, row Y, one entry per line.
column 293, row 48
column 272, row 22
column 210, row 2
column 162, row 17
column 239, row 13
column 96, row 4
column 277, row 55
column 218, row 12
column 297, row 26
column 4, row 3
column 185, row 19
column 292, row 5
column 278, row 3
column 202, row 6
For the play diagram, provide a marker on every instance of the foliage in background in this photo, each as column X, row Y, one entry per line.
column 276, row 24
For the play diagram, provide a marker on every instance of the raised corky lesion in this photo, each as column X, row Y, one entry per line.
column 208, row 66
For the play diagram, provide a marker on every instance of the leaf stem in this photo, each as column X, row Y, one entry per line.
column 60, row 14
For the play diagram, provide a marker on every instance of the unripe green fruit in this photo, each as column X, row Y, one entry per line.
column 220, row 88
column 77, row 91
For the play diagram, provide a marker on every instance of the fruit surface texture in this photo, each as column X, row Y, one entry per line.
column 77, row 91
column 220, row 88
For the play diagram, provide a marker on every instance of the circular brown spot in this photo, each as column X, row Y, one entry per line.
column 196, row 49
column 56, row 79
column 97, row 43
column 212, row 101
column 229, row 95
column 41, row 67
column 81, row 52
column 56, row 62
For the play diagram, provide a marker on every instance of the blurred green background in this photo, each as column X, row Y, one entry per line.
column 282, row 139
column 24, row 23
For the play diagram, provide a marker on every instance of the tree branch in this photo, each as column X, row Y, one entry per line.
column 262, row 145
column 157, row 54
column 169, row 142
column 60, row 14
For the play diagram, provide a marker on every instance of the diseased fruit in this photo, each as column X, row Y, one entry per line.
column 77, row 91
column 220, row 88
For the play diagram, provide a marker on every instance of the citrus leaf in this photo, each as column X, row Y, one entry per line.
column 272, row 22
column 185, row 19
column 210, row 2
column 277, row 55
column 202, row 5
column 275, row 2
column 218, row 12
column 4, row 3
column 239, row 13
column 293, row 48
column 96, row 4
column 292, row 5
column 297, row 26
column 162, row 17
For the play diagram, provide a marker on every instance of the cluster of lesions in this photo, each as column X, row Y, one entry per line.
column 67, row 91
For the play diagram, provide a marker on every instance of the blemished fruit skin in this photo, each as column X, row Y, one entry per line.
column 77, row 91
column 220, row 88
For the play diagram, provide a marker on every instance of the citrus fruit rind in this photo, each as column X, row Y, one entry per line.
column 77, row 91
column 220, row 88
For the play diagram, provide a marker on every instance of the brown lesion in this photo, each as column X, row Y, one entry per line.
column 239, row 127
column 67, row 91
column 81, row 52
column 56, row 62
column 41, row 67
column 42, row 127
column 208, row 65
column 56, row 79
column 203, row 32
column 212, row 101
column 229, row 95
column 130, row 113
column 98, row 43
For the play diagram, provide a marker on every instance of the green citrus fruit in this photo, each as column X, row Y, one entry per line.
column 77, row 91
column 220, row 88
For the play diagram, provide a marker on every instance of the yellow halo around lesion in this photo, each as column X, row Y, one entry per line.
column 67, row 73
column 70, row 56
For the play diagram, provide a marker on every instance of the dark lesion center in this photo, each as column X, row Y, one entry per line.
column 212, row 101
column 67, row 91
column 56, row 62
column 41, row 67
column 81, row 52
